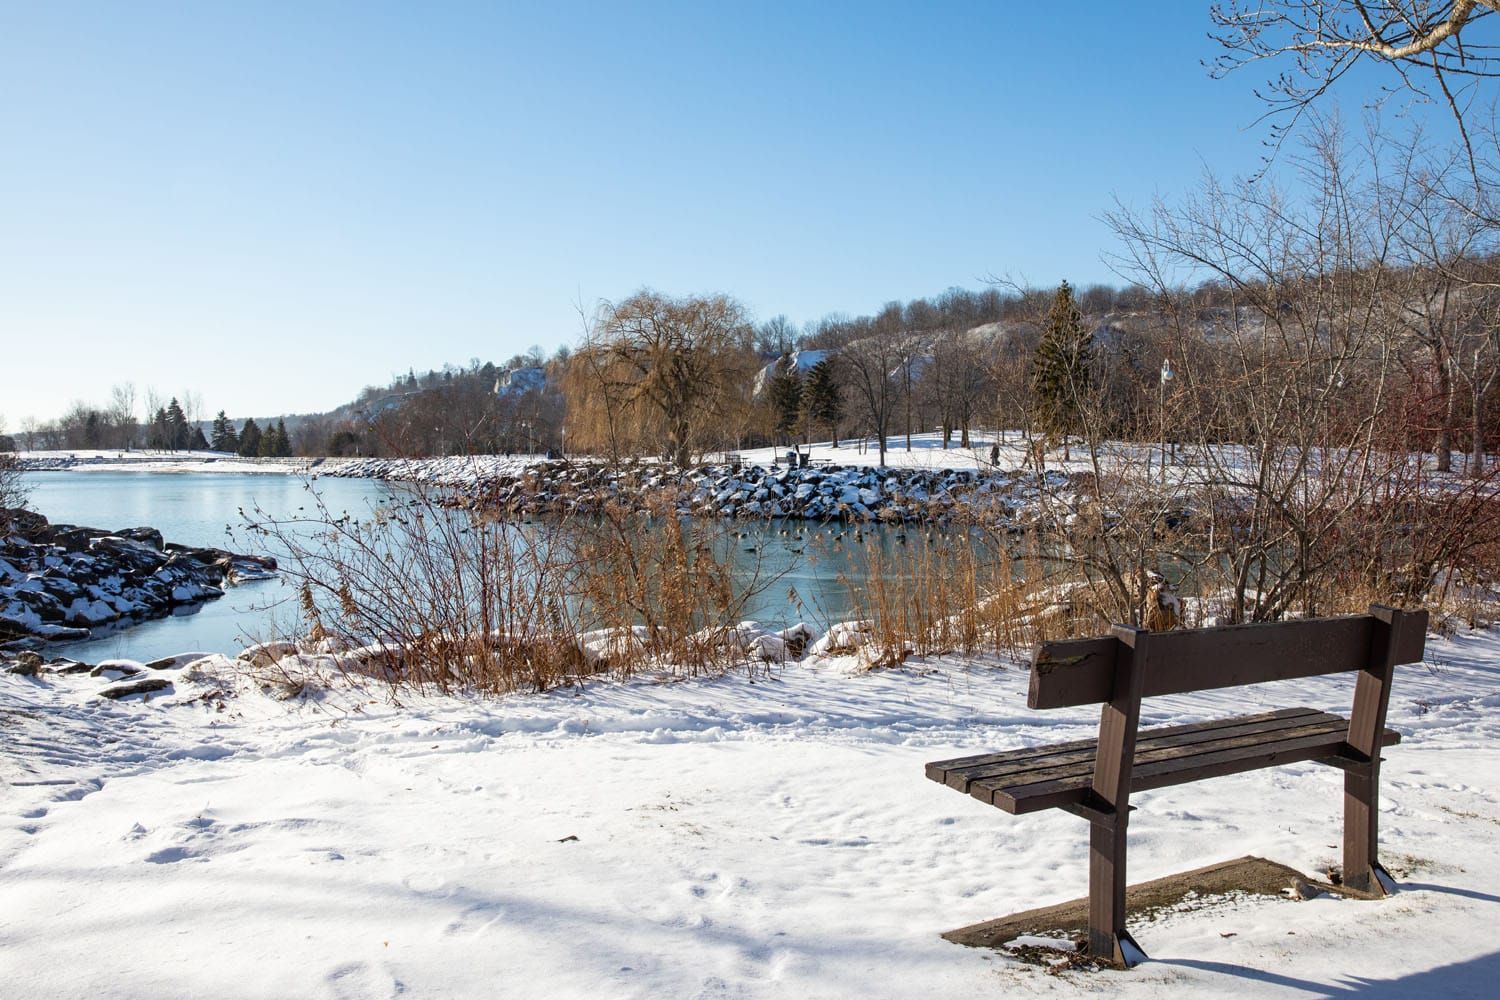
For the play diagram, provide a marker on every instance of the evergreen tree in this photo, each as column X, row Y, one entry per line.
column 177, row 433
column 820, row 398
column 157, row 435
column 1062, row 371
column 274, row 442
column 785, row 392
column 198, row 441
column 224, row 439
column 250, row 439
column 344, row 442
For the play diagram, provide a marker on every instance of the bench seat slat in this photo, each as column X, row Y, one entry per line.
column 1037, row 778
column 1031, row 798
column 1072, row 756
column 1238, row 736
column 945, row 770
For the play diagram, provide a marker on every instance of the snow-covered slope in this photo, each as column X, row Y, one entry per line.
column 802, row 362
column 765, row 836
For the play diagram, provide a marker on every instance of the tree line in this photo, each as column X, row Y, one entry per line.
column 170, row 425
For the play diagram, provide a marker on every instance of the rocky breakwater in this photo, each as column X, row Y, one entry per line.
column 816, row 493
column 61, row 581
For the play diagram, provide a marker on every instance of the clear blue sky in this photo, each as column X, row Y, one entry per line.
column 276, row 203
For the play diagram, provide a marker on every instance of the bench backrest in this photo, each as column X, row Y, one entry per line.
column 1084, row 671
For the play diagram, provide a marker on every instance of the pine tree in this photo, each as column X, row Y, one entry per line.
column 158, row 435
column 785, row 392
column 224, row 439
column 250, row 439
column 281, row 445
column 268, row 444
column 198, row 441
column 1062, row 371
column 820, row 398
column 176, row 426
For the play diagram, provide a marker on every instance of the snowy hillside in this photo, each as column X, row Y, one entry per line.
column 801, row 362
column 744, row 836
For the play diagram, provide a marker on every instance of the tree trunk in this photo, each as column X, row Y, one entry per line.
column 1443, row 453
column 1476, row 465
column 907, row 369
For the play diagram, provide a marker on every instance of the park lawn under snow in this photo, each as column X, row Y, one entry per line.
column 765, row 836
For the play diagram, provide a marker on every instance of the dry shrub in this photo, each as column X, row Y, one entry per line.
column 425, row 594
column 959, row 590
column 648, row 566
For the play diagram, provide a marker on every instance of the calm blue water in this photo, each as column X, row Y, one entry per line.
column 193, row 509
column 204, row 509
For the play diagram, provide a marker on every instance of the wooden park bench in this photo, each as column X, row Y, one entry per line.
column 1094, row 778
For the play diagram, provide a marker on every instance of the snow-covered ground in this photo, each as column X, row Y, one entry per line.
column 734, row 837
column 1187, row 464
column 113, row 460
column 927, row 452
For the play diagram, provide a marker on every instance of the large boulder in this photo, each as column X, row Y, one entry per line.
column 150, row 536
column 27, row 524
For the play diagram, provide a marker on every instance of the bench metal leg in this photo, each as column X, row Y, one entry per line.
column 1107, row 889
column 1362, row 828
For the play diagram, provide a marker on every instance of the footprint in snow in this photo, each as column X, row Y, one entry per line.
column 475, row 920
column 361, row 981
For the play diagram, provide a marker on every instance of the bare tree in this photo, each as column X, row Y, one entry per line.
column 872, row 360
column 192, row 406
column 956, row 383
column 1299, row 492
column 122, row 414
column 13, row 491
column 1428, row 43
column 776, row 336
column 30, row 427
column 1476, row 361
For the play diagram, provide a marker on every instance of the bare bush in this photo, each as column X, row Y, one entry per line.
column 13, row 491
column 425, row 594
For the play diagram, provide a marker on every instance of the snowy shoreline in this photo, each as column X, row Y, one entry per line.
column 165, row 462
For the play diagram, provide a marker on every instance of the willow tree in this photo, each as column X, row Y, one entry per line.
column 662, row 374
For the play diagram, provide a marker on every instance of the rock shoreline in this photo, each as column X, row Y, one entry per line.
column 814, row 493
column 61, row 581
